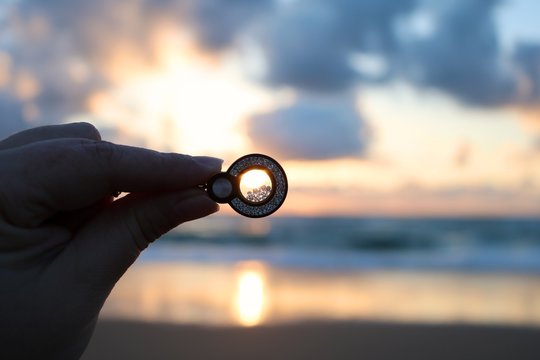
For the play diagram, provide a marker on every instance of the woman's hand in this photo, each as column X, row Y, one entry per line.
column 64, row 243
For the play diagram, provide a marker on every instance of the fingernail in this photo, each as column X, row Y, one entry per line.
column 208, row 161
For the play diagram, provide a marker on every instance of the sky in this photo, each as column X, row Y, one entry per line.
column 373, row 107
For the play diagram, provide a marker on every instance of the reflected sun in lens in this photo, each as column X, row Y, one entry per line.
column 255, row 185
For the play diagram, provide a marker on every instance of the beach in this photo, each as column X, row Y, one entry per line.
column 329, row 289
column 311, row 340
column 253, row 311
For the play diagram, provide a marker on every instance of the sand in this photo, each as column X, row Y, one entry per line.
column 116, row 339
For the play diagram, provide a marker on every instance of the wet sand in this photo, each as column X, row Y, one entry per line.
column 363, row 314
column 252, row 293
column 115, row 339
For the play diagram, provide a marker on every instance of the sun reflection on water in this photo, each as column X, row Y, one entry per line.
column 253, row 293
column 250, row 296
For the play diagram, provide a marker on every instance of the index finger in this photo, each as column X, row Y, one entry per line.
column 67, row 174
column 49, row 132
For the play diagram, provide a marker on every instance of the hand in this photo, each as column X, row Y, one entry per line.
column 64, row 243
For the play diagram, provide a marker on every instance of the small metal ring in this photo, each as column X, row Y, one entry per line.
column 237, row 200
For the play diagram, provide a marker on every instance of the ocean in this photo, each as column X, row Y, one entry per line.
column 235, row 271
column 497, row 244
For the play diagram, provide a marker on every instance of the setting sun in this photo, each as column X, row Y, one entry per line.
column 255, row 179
column 188, row 102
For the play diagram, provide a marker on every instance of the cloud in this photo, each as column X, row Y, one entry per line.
column 309, row 44
column 91, row 27
column 310, row 129
column 304, row 49
column 11, row 117
column 368, row 25
column 217, row 23
column 460, row 55
column 452, row 47
column 527, row 59
column 54, row 60
column 416, row 200
column 62, row 50
column 67, row 48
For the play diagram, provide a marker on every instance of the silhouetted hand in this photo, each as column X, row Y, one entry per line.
column 64, row 243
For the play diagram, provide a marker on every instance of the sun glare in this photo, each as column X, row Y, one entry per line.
column 250, row 297
column 255, row 178
column 186, row 103
column 255, row 185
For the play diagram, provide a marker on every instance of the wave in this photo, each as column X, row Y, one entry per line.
column 338, row 243
column 379, row 235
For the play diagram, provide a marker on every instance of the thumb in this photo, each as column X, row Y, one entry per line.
column 106, row 247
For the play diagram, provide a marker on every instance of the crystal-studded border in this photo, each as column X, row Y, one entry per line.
column 281, row 185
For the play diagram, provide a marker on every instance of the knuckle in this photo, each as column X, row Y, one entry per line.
column 104, row 155
column 189, row 166
column 101, row 151
column 89, row 131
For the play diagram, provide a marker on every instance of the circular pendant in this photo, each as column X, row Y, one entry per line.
column 254, row 186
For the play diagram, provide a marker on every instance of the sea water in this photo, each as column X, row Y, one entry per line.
column 237, row 271
column 496, row 244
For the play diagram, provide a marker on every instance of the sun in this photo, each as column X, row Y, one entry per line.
column 254, row 179
column 188, row 102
